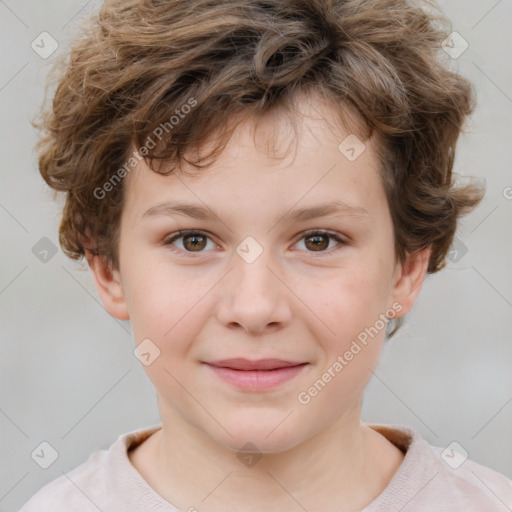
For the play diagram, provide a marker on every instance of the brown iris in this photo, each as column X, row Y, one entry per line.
column 194, row 242
column 317, row 243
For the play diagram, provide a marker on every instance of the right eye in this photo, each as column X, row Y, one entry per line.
column 192, row 241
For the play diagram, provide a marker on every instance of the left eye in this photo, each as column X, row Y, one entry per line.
column 319, row 240
column 196, row 241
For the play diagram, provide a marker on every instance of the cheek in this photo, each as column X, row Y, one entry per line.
column 163, row 303
column 165, row 308
column 353, row 304
column 352, row 309
column 350, row 299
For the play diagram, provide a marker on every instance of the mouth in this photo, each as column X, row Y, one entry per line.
column 240, row 363
column 256, row 375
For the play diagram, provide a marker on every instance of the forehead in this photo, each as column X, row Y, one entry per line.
column 302, row 154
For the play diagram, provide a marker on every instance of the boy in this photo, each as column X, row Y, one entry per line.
column 261, row 188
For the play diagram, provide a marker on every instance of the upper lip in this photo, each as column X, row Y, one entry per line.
column 241, row 363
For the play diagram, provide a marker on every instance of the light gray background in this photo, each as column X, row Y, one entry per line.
column 68, row 375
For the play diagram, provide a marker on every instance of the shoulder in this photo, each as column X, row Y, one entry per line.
column 93, row 485
column 473, row 485
column 442, row 479
column 74, row 490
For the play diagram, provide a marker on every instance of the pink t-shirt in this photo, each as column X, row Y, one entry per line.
column 426, row 481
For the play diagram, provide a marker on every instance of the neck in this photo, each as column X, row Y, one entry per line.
column 347, row 463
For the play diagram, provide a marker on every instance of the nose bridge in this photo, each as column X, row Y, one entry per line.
column 253, row 278
column 253, row 296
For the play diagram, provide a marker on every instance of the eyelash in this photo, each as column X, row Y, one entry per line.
column 181, row 234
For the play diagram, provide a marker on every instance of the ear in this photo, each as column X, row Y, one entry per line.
column 408, row 279
column 108, row 284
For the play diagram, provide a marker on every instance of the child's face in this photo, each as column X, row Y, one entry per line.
column 302, row 299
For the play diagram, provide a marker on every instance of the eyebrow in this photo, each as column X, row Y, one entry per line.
column 333, row 208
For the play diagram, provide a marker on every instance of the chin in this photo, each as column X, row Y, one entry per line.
column 253, row 434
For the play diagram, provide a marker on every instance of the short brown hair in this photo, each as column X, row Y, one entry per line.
column 140, row 61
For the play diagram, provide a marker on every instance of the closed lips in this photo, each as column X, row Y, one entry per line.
column 248, row 365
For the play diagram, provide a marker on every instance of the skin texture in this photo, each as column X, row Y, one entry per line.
column 294, row 302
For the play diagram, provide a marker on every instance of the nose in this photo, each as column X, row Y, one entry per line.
column 254, row 297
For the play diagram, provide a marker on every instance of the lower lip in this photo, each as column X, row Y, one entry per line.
column 257, row 380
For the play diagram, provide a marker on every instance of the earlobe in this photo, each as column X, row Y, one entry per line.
column 109, row 286
column 409, row 279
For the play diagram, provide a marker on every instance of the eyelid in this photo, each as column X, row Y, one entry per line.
column 341, row 240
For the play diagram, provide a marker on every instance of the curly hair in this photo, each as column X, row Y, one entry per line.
column 141, row 65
